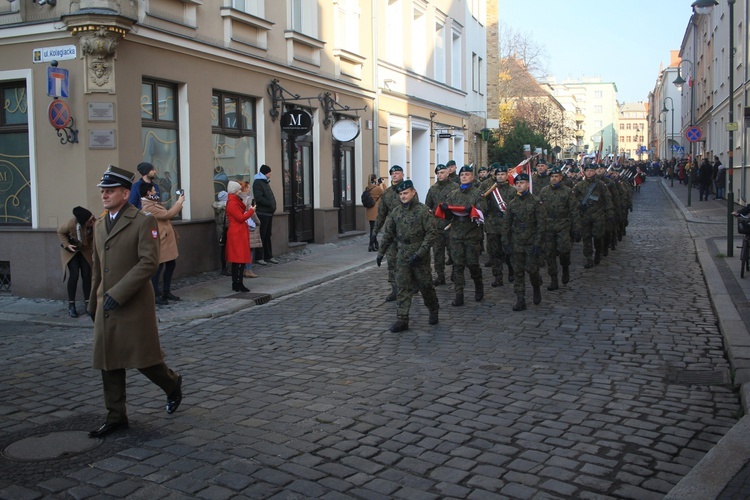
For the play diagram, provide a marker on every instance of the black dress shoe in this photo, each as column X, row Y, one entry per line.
column 108, row 429
column 174, row 399
column 168, row 295
column 161, row 301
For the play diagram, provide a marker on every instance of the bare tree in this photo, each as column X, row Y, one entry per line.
column 522, row 47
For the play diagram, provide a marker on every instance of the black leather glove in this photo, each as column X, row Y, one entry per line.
column 379, row 260
column 577, row 236
column 414, row 260
column 110, row 304
column 536, row 250
column 444, row 208
column 468, row 209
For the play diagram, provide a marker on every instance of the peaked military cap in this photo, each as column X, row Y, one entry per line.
column 466, row 168
column 115, row 176
column 395, row 168
column 404, row 185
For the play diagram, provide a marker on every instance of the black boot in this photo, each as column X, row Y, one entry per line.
column 433, row 317
column 72, row 309
column 440, row 280
column 498, row 280
column 459, row 300
column 520, row 304
column 537, row 295
column 589, row 263
column 553, row 283
column 236, row 275
column 478, row 291
column 597, row 258
column 565, row 275
column 511, row 278
column 400, row 325
column 392, row 296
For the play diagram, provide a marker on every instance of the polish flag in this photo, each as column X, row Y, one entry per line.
column 460, row 211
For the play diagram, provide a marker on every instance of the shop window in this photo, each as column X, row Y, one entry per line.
column 234, row 139
column 15, row 172
column 160, row 136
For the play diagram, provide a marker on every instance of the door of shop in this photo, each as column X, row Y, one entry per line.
column 298, row 187
column 343, row 185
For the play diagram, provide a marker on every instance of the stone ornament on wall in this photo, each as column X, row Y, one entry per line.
column 99, row 47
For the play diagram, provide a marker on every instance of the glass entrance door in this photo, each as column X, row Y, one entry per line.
column 298, row 193
column 344, row 186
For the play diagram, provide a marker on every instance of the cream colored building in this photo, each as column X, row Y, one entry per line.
column 632, row 129
column 202, row 89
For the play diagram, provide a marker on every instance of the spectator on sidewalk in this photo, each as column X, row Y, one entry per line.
column 265, row 205
column 168, row 253
column 376, row 189
column 148, row 174
column 220, row 217
column 77, row 245
column 721, row 178
column 253, row 226
column 238, row 236
column 705, row 172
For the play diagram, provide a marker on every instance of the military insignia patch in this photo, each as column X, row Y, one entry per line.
column 154, row 233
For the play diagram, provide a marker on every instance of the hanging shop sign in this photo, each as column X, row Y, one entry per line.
column 296, row 122
column 345, row 130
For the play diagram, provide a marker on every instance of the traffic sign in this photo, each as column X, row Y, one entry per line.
column 59, row 114
column 732, row 126
column 694, row 134
column 57, row 82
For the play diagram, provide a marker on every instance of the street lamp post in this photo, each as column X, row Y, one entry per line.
column 705, row 7
column 665, row 110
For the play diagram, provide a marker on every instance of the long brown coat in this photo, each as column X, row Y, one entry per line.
column 124, row 262
column 167, row 235
column 67, row 233
column 376, row 191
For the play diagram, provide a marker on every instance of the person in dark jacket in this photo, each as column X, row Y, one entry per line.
column 705, row 175
column 265, row 206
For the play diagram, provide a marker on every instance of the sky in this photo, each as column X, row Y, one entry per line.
column 621, row 41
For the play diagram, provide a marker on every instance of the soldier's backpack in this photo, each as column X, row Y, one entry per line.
column 367, row 199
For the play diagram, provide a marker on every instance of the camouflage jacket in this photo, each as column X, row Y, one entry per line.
column 412, row 228
column 561, row 208
column 526, row 222
column 388, row 202
column 539, row 182
column 599, row 204
column 494, row 218
column 437, row 194
column 614, row 192
column 463, row 228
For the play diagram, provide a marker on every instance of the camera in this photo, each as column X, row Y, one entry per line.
column 180, row 192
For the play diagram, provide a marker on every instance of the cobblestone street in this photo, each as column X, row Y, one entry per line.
column 614, row 387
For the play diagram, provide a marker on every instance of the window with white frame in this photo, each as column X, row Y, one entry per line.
column 347, row 25
column 439, row 51
column 456, row 60
column 304, row 17
column 254, row 7
column 419, row 41
column 474, row 72
column 394, row 49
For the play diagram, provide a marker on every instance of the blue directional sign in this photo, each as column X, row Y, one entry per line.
column 57, row 82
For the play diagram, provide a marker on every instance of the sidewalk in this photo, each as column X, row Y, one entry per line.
column 210, row 295
column 723, row 472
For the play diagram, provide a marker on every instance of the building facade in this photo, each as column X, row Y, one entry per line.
column 633, row 130
column 208, row 91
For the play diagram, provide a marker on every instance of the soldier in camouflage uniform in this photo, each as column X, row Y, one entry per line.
column 523, row 237
column 494, row 220
column 466, row 234
column 610, row 230
column 626, row 200
column 411, row 230
column 388, row 202
column 541, row 177
column 595, row 205
column 561, row 208
column 452, row 175
column 437, row 195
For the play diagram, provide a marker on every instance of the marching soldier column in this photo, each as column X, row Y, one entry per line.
column 531, row 222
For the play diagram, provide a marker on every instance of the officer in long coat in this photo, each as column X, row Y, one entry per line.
column 412, row 230
column 126, row 255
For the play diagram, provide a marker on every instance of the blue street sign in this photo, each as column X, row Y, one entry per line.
column 57, row 82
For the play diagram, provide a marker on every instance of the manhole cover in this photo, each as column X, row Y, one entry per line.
column 53, row 445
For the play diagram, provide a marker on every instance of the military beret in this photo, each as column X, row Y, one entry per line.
column 404, row 185
column 542, row 161
column 494, row 166
column 395, row 168
column 482, row 169
column 555, row 170
column 451, row 163
column 590, row 166
column 522, row 177
column 466, row 168
column 440, row 167
column 502, row 168
column 115, row 176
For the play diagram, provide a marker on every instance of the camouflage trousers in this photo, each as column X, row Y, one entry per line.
column 465, row 253
column 496, row 253
column 557, row 244
column 390, row 256
column 440, row 248
column 592, row 231
column 524, row 262
column 405, row 278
